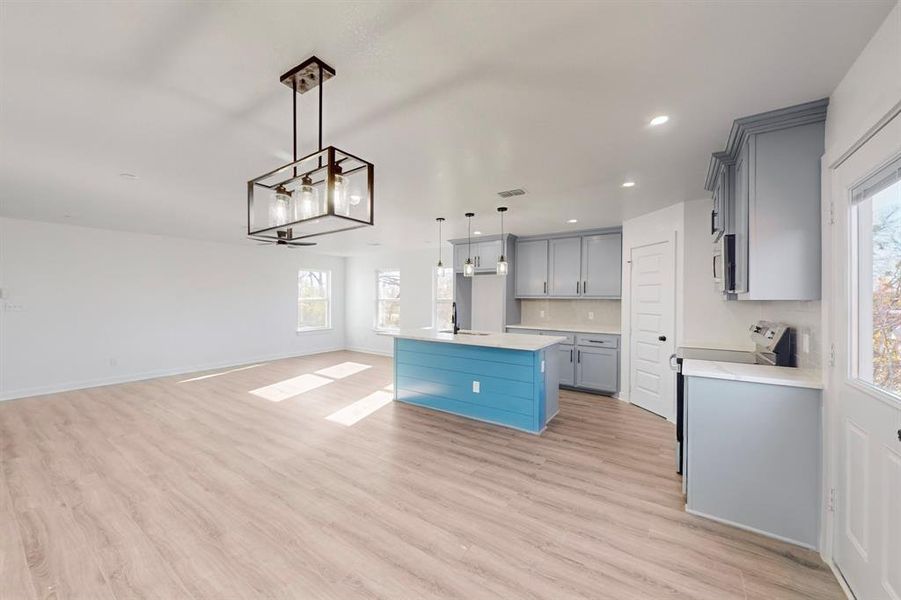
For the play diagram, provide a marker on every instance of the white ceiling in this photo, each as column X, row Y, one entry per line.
column 453, row 102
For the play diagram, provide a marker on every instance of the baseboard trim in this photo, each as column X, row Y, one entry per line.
column 368, row 351
column 698, row 513
column 144, row 375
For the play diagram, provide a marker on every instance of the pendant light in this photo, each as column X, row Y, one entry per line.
column 469, row 269
column 502, row 266
column 324, row 192
column 440, row 221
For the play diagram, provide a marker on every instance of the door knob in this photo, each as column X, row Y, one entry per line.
column 661, row 338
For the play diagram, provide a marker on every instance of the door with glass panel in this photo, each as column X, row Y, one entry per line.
column 866, row 324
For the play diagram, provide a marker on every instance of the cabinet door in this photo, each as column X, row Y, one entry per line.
column 602, row 263
column 567, row 365
column 530, row 268
column 741, row 205
column 488, row 253
column 461, row 251
column 566, row 267
column 597, row 369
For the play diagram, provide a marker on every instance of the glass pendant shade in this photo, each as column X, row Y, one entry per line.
column 469, row 268
column 339, row 197
column 279, row 206
column 502, row 265
column 307, row 205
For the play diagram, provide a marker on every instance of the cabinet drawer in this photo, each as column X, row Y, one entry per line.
column 598, row 340
column 570, row 337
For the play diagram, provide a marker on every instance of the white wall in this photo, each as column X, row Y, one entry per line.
column 416, row 272
column 100, row 306
column 869, row 90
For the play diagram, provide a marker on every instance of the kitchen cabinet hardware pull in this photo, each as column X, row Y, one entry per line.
column 584, row 287
column 545, row 287
column 571, row 359
column 661, row 338
column 579, row 357
column 899, row 435
column 577, row 287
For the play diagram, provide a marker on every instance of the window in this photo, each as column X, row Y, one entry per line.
column 444, row 297
column 876, row 261
column 314, row 293
column 387, row 292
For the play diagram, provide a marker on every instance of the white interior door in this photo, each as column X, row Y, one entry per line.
column 652, row 335
column 865, row 382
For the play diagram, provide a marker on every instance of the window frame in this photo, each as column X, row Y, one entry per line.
column 327, row 299
column 379, row 299
column 436, row 301
column 889, row 174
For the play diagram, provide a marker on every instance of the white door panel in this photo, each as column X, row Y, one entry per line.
column 652, row 317
column 867, row 527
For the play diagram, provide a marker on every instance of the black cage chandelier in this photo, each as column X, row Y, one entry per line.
column 324, row 192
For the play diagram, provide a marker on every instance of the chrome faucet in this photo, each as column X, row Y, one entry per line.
column 454, row 317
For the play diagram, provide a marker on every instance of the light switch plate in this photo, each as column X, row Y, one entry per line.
column 475, row 387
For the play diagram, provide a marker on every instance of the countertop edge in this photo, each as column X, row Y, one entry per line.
column 568, row 329
column 782, row 376
column 526, row 343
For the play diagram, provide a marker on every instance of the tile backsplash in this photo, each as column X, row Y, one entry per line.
column 572, row 313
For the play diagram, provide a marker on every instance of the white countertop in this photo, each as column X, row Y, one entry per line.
column 507, row 341
column 787, row 376
column 569, row 329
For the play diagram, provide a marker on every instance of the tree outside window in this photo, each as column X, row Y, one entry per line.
column 878, row 264
column 314, row 293
column 387, row 300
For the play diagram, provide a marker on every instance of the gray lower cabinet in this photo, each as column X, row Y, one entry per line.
column 530, row 268
column 567, row 361
column 602, row 266
column 597, row 368
column 753, row 456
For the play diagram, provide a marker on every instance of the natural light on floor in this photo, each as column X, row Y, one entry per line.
column 345, row 369
column 362, row 408
column 222, row 373
column 291, row 387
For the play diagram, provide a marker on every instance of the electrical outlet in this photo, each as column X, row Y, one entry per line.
column 10, row 307
column 590, row 316
column 805, row 342
column 542, row 366
column 113, row 362
column 541, row 313
column 475, row 387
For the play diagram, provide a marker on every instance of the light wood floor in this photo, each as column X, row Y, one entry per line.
column 170, row 490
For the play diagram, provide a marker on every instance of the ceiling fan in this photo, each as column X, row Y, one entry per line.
column 284, row 240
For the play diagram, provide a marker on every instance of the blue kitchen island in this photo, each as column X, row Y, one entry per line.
column 508, row 379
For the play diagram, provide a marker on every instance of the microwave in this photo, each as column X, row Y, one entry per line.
column 724, row 263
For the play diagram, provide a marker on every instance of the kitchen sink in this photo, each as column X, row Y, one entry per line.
column 461, row 332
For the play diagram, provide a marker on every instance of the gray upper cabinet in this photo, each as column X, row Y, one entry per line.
column 487, row 254
column 566, row 267
column 531, row 268
column 602, row 260
column 766, row 184
column 484, row 254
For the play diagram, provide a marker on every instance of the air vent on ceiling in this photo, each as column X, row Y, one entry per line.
column 511, row 193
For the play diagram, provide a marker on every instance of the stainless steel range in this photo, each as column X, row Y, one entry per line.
column 774, row 345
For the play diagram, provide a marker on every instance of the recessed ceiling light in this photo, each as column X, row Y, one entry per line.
column 659, row 120
column 476, row 233
column 128, row 176
column 573, row 221
column 628, row 184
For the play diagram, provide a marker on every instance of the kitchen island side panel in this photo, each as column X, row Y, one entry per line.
column 440, row 376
